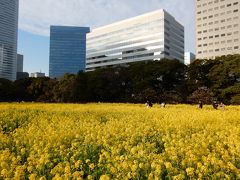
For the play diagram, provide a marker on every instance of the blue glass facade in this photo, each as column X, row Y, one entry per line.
column 8, row 38
column 67, row 50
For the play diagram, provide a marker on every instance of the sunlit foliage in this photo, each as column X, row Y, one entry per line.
column 118, row 141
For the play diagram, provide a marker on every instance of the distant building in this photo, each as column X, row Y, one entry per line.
column 19, row 63
column 152, row 36
column 189, row 58
column 37, row 74
column 8, row 38
column 22, row 75
column 67, row 50
column 217, row 28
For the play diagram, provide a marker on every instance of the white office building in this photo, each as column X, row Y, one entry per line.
column 37, row 74
column 152, row 36
column 217, row 28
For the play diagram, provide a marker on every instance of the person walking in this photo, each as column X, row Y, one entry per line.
column 221, row 106
column 215, row 105
column 200, row 104
column 163, row 105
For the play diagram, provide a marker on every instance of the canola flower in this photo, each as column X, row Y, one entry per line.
column 118, row 141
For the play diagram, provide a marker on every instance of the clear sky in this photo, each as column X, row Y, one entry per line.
column 36, row 16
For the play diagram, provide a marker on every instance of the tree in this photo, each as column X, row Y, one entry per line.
column 63, row 90
column 203, row 94
column 7, row 90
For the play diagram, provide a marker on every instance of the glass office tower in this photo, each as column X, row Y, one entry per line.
column 152, row 36
column 67, row 50
column 8, row 38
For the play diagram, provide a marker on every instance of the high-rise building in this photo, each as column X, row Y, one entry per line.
column 189, row 58
column 8, row 38
column 67, row 50
column 19, row 63
column 152, row 36
column 217, row 28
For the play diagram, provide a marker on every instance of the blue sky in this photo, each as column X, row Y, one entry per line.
column 36, row 16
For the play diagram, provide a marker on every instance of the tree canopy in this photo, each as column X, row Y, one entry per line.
column 159, row 81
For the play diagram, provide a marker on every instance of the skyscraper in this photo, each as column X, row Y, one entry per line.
column 217, row 28
column 67, row 50
column 8, row 38
column 189, row 58
column 19, row 63
column 152, row 36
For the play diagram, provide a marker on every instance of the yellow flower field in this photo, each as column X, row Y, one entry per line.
column 118, row 141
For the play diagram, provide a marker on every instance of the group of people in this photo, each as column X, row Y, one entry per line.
column 149, row 104
column 215, row 105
